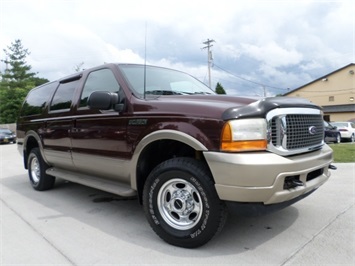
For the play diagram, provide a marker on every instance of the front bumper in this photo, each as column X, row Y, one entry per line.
column 260, row 176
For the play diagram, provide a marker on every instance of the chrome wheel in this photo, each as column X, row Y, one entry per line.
column 35, row 170
column 180, row 204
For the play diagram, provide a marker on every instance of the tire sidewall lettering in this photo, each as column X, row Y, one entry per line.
column 194, row 181
column 151, row 200
column 206, row 207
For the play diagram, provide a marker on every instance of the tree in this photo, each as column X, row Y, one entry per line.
column 17, row 72
column 219, row 89
column 11, row 101
column 15, row 82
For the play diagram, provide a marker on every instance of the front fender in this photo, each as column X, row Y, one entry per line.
column 159, row 135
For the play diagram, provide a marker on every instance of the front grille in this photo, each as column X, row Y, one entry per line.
column 295, row 133
column 299, row 133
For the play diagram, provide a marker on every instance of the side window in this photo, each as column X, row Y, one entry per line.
column 37, row 99
column 99, row 80
column 63, row 96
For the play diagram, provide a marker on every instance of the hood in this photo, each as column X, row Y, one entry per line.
column 217, row 106
column 262, row 107
column 208, row 106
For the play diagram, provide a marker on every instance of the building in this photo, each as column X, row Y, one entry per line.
column 335, row 92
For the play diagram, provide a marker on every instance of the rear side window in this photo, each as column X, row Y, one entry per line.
column 63, row 97
column 37, row 99
column 99, row 80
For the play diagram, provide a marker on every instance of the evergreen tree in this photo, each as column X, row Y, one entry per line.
column 15, row 82
column 219, row 89
column 17, row 72
column 10, row 103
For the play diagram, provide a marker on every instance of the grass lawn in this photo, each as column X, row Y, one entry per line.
column 343, row 152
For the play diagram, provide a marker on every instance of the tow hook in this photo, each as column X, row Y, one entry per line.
column 292, row 182
column 332, row 167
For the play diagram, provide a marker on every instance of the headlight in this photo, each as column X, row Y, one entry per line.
column 244, row 135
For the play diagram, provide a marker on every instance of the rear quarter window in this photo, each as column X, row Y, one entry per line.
column 37, row 99
column 63, row 97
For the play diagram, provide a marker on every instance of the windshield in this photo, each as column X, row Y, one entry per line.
column 161, row 81
column 5, row 131
column 340, row 124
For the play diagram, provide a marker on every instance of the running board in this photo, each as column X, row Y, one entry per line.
column 94, row 182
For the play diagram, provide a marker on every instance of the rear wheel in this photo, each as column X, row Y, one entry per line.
column 37, row 171
column 181, row 203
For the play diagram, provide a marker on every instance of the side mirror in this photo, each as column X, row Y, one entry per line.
column 104, row 100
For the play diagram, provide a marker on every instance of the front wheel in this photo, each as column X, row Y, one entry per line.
column 181, row 203
column 37, row 171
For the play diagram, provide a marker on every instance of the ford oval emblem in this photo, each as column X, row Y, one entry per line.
column 312, row 130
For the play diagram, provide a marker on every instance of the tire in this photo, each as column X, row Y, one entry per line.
column 37, row 171
column 338, row 139
column 352, row 138
column 181, row 203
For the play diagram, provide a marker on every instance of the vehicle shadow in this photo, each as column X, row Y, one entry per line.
column 123, row 219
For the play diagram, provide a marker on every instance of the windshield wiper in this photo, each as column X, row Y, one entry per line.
column 202, row 92
column 162, row 92
column 174, row 92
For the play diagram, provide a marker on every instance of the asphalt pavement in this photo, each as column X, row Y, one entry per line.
column 76, row 225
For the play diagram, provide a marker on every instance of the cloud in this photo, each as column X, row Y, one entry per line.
column 273, row 54
column 282, row 44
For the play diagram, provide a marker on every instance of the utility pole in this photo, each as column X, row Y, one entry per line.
column 264, row 91
column 209, row 58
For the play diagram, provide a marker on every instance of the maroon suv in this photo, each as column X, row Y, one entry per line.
column 165, row 137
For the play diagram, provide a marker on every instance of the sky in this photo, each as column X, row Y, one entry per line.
column 260, row 47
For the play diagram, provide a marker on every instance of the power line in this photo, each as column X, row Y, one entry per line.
column 254, row 82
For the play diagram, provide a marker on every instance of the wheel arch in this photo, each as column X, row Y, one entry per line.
column 32, row 140
column 180, row 145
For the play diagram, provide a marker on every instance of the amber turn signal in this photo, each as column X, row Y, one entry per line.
column 244, row 135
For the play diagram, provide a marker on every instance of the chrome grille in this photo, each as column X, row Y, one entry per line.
column 293, row 133
column 299, row 131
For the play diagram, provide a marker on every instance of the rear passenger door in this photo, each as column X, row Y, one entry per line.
column 56, row 132
column 99, row 142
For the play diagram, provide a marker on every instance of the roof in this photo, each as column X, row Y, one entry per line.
column 325, row 76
